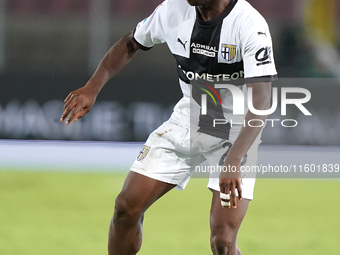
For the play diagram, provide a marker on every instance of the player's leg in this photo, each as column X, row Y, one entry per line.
column 224, row 225
column 138, row 193
column 163, row 163
column 225, row 222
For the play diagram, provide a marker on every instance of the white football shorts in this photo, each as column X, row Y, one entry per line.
column 172, row 153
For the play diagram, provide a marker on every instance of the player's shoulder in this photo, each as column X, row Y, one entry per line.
column 247, row 14
column 178, row 7
column 178, row 3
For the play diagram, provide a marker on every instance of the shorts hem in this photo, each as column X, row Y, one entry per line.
column 158, row 178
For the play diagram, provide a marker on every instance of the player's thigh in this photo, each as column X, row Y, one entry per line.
column 139, row 192
column 168, row 156
column 226, row 221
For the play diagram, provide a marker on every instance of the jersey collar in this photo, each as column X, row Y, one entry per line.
column 218, row 19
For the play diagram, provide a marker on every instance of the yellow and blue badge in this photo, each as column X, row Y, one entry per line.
column 143, row 152
column 228, row 51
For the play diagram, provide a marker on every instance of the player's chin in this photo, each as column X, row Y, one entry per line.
column 193, row 2
column 198, row 2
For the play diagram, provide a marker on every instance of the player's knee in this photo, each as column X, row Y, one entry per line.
column 222, row 244
column 126, row 211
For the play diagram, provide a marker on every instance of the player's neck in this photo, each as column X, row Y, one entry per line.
column 213, row 9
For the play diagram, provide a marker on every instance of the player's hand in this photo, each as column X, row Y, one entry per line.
column 77, row 104
column 230, row 181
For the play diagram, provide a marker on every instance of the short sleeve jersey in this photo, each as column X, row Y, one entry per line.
column 234, row 48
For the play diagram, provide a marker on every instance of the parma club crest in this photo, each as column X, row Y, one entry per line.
column 228, row 51
column 143, row 152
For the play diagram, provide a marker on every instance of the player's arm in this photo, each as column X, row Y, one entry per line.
column 80, row 101
column 229, row 181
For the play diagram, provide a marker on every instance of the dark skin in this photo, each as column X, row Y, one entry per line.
column 80, row 101
column 126, row 226
column 210, row 9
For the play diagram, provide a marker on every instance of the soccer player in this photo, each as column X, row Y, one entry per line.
column 223, row 51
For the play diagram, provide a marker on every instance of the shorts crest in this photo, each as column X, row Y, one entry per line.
column 143, row 152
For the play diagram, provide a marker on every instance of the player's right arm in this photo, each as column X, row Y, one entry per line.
column 80, row 101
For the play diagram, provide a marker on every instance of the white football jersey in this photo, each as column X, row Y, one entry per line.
column 235, row 48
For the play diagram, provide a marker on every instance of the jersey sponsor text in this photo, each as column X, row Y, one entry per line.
column 214, row 77
column 205, row 50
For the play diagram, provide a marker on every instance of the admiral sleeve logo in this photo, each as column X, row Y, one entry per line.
column 263, row 56
column 228, row 51
column 143, row 152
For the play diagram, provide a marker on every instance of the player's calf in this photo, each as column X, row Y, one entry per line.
column 224, row 225
column 125, row 234
column 224, row 244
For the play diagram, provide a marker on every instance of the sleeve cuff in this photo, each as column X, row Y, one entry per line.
column 142, row 47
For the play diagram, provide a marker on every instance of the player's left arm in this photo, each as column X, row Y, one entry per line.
column 231, row 180
column 260, row 71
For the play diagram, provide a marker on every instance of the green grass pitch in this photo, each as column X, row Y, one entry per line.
column 68, row 213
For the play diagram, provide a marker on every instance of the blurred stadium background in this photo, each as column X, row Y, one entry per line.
column 50, row 47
